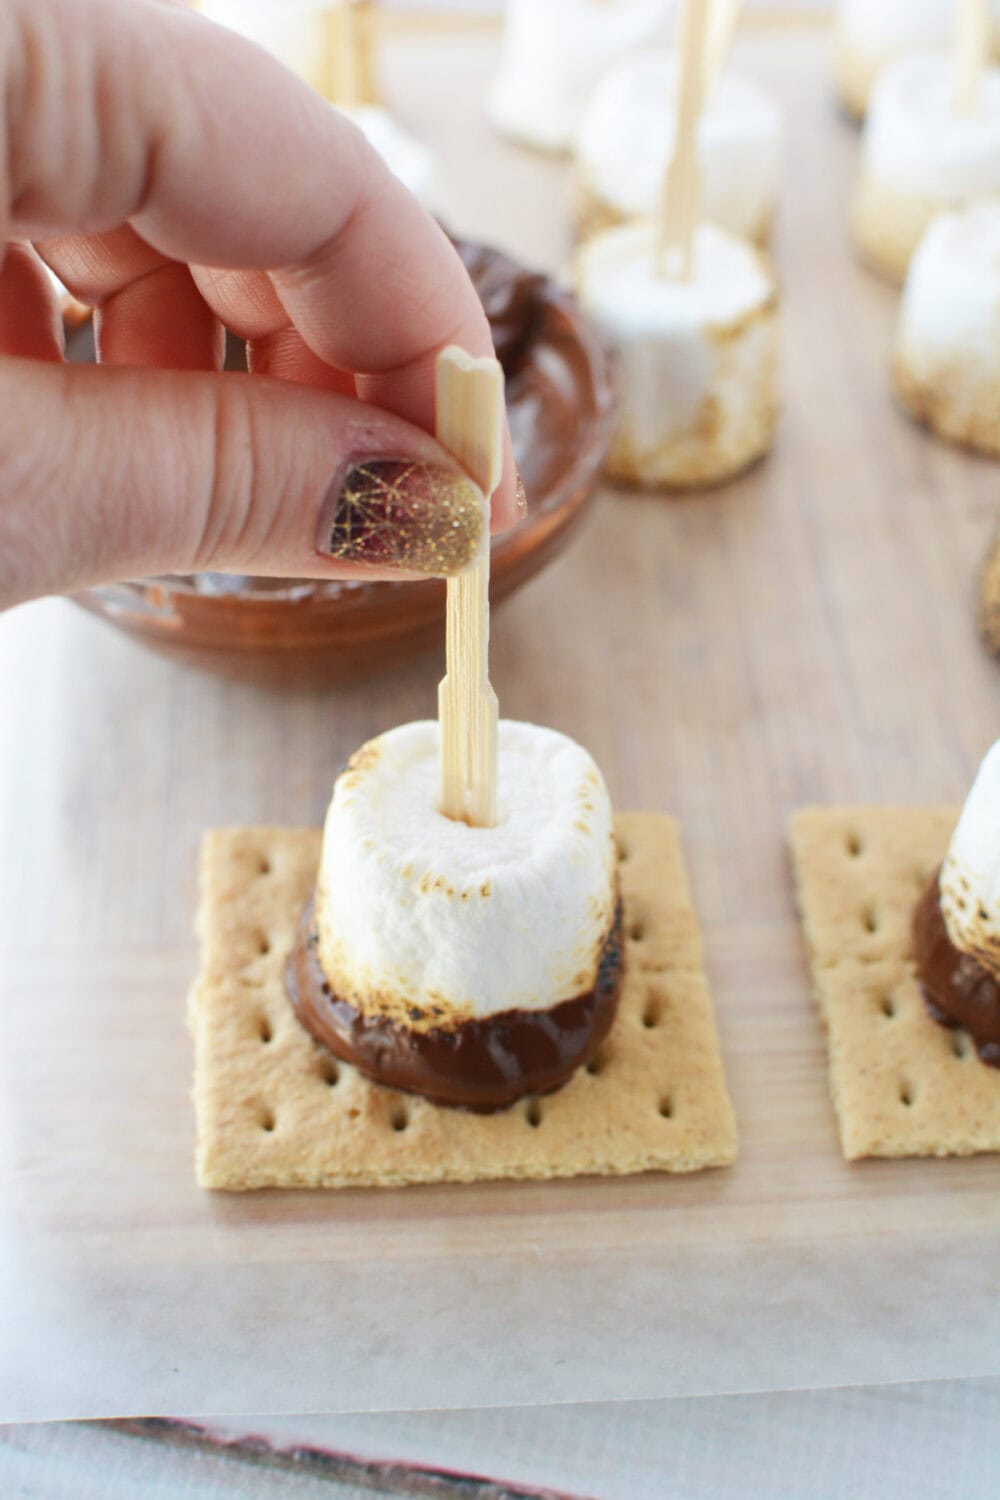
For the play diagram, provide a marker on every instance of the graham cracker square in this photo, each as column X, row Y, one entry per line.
column 902, row 1084
column 274, row 1109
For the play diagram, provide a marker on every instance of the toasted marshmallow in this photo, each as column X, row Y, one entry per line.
column 626, row 138
column 970, row 875
column 405, row 156
column 947, row 360
column 870, row 33
column 430, row 923
column 920, row 158
column 554, row 51
column 697, row 359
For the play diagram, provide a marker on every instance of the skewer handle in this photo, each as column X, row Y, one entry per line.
column 470, row 425
column 969, row 54
column 679, row 205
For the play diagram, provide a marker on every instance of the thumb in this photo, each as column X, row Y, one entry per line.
column 114, row 473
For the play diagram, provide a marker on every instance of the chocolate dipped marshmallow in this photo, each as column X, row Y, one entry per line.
column 470, row 965
column 956, row 925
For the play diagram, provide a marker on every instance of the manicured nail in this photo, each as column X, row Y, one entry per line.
column 396, row 513
column 521, row 496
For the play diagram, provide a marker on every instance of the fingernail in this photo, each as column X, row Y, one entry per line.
column 521, row 497
column 396, row 513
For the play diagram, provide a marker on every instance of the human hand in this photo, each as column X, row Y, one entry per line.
column 179, row 179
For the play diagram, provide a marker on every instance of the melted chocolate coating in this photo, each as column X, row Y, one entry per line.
column 481, row 1065
column 958, row 990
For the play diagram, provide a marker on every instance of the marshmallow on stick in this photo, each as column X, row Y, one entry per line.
column 869, row 34
column 333, row 48
column 626, row 139
column 554, row 51
column 931, row 143
column 691, row 313
column 418, row 912
column 465, row 939
column 946, row 369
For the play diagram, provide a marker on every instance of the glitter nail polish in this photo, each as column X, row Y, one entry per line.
column 397, row 513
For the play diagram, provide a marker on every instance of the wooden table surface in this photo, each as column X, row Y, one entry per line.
column 803, row 635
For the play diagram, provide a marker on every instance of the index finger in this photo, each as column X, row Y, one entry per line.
column 220, row 156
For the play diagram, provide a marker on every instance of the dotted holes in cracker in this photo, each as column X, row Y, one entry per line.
column 652, row 1013
column 595, row 1067
column 869, row 919
column 533, row 1113
column 263, row 944
column 329, row 1072
column 622, row 849
column 267, row 1120
column 888, row 1007
column 264, row 865
column 265, row 1030
column 907, row 1093
column 961, row 1046
column 399, row 1118
column 666, row 1107
column 855, row 845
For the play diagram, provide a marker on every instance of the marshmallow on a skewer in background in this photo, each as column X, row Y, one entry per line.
column 868, row 34
column 305, row 37
column 553, row 53
column 946, row 368
column 970, row 876
column 428, row 922
column 626, row 139
column 921, row 156
column 697, row 358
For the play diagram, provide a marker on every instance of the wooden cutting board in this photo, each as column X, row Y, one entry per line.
column 804, row 635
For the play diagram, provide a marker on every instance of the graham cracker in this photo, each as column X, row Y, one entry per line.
column 274, row 1109
column 902, row 1084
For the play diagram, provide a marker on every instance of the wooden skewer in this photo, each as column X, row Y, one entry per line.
column 349, row 53
column 969, row 54
column 679, row 201
column 470, row 425
column 725, row 15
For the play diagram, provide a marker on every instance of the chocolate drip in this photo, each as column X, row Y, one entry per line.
column 958, row 990
column 480, row 1065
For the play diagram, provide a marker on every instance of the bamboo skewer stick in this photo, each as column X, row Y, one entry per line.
column 679, row 201
column 721, row 31
column 470, row 426
column 969, row 54
column 349, row 47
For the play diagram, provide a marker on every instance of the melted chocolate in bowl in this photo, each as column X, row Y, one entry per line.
column 481, row 1065
column 560, row 406
column 958, row 990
